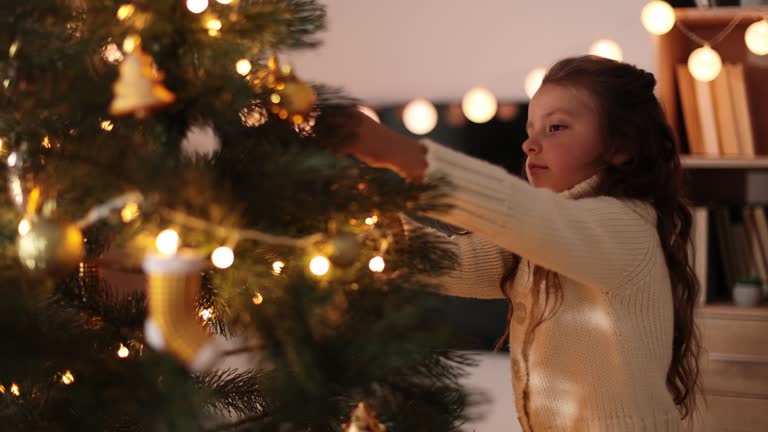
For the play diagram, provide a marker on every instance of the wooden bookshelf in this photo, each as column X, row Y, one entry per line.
column 734, row 363
column 674, row 48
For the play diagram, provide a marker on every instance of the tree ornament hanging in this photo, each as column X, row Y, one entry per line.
column 363, row 420
column 174, row 285
column 344, row 249
column 49, row 245
column 139, row 88
column 289, row 97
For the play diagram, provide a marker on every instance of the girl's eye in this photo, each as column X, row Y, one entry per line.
column 555, row 128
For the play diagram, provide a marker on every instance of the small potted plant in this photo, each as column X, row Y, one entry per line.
column 747, row 291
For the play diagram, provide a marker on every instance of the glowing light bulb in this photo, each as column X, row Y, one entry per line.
column 131, row 42
column 376, row 264
column 123, row 351
column 371, row 220
column 224, row 1
column 277, row 267
column 756, row 37
column 206, row 314
column 197, row 6
column 167, row 242
column 607, row 48
column 257, row 299
column 420, row 116
column 12, row 158
column 369, row 112
column 15, row 389
column 125, row 11
column 319, row 265
column 658, row 17
column 107, row 125
column 479, row 105
column 67, row 378
column 704, row 63
column 222, row 257
column 533, row 81
column 130, row 212
column 112, row 54
column 24, row 227
column 243, row 66
column 213, row 25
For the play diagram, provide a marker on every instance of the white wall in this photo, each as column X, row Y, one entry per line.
column 386, row 51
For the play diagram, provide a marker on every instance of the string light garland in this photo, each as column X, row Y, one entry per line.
column 704, row 63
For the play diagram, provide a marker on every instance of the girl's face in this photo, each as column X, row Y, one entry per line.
column 564, row 146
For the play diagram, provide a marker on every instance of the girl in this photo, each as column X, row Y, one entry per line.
column 591, row 254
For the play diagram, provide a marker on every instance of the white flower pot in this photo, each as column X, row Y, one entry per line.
column 746, row 294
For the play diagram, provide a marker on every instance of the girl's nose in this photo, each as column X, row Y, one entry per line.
column 531, row 146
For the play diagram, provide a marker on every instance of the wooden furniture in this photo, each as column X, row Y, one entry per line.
column 735, row 360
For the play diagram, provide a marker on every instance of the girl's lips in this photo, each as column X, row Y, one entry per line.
column 533, row 167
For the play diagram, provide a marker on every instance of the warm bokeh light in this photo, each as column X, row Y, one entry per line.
column 131, row 42
column 319, row 265
column 67, row 378
column 533, row 81
column 607, row 48
column 371, row 220
column 369, row 112
column 206, row 314
column 125, row 11
column 15, row 389
column 756, row 37
column 107, row 125
column 123, row 351
column 658, row 17
column 376, row 264
column 224, row 2
column 12, row 158
column 479, row 105
column 167, row 242
column 130, row 212
column 223, row 257
column 197, row 6
column 420, row 116
column 243, row 66
column 277, row 267
column 24, row 227
column 705, row 64
column 257, row 299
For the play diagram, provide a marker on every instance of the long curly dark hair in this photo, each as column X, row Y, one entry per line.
column 633, row 123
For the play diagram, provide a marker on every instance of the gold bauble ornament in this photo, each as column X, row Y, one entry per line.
column 344, row 249
column 49, row 245
column 289, row 97
column 139, row 88
column 363, row 420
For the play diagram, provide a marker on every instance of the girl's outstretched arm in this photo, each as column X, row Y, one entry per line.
column 480, row 267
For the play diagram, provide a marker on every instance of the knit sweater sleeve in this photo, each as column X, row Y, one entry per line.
column 480, row 264
column 599, row 241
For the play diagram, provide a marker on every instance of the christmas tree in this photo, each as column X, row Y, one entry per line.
column 270, row 247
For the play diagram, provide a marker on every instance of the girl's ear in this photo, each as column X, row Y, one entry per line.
column 617, row 158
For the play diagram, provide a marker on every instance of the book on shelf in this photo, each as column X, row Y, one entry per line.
column 728, row 244
column 716, row 114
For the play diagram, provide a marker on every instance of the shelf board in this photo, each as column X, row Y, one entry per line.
column 697, row 162
column 731, row 311
column 718, row 15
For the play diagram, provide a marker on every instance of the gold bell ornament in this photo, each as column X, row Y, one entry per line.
column 49, row 245
column 174, row 284
column 363, row 420
column 290, row 97
column 139, row 88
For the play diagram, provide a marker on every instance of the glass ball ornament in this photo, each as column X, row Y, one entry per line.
column 50, row 245
column 345, row 249
column 704, row 64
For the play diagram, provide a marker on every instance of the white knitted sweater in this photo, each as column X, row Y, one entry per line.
column 600, row 363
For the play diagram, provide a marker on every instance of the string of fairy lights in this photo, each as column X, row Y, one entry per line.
column 479, row 105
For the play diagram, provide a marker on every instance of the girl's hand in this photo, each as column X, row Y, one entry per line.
column 381, row 147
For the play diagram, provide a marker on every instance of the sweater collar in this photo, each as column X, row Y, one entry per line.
column 583, row 189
